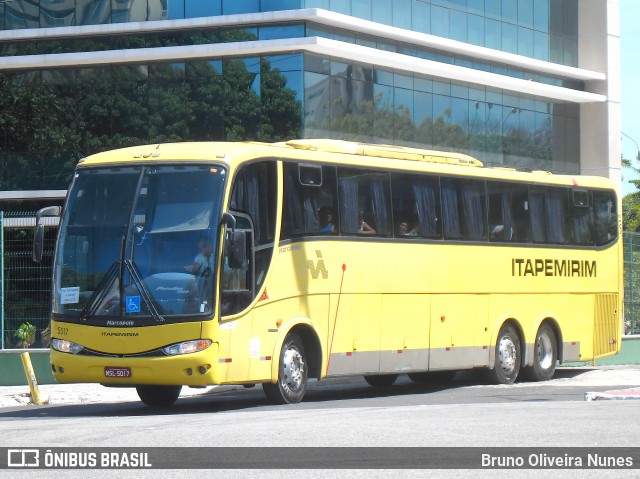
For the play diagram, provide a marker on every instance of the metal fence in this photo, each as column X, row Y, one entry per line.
column 631, row 282
column 26, row 286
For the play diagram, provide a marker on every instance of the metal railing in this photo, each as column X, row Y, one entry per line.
column 631, row 248
column 26, row 286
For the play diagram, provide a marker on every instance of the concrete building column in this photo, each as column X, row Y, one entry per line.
column 600, row 123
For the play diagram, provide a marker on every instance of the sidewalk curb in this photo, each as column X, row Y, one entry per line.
column 617, row 395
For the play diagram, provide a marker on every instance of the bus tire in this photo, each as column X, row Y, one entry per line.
column 158, row 396
column 545, row 355
column 508, row 356
column 381, row 380
column 292, row 373
column 432, row 377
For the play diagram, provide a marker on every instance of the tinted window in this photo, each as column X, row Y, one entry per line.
column 548, row 210
column 605, row 216
column 581, row 218
column 310, row 201
column 254, row 193
column 364, row 202
column 416, row 206
column 508, row 212
column 463, row 209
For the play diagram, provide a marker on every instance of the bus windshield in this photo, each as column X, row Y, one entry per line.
column 136, row 244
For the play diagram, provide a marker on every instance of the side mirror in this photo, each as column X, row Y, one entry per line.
column 38, row 237
column 237, row 249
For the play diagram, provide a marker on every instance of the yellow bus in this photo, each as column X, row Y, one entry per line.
column 200, row 264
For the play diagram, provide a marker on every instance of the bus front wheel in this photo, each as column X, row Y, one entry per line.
column 292, row 373
column 508, row 356
column 545, row 355
column 158, row 396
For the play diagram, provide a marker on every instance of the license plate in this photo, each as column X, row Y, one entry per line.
column 111, row 372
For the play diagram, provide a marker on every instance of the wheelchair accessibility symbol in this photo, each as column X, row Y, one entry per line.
column 133, row 304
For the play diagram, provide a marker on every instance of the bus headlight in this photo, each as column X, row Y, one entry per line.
column 187, row 347
column 65, row 346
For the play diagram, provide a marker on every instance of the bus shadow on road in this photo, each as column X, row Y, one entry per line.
column 340, row 391
column 237, row 398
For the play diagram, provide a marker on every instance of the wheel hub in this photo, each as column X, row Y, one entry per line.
column 293, row 370
column 544, row 351
column 507, row 355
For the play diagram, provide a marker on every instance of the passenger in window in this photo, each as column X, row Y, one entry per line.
column 363, row 227
column 405, row 230
column 501, row 233
column 326, row 220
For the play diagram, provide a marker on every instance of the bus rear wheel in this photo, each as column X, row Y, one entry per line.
column 545, row 355
column 292, row 373
column 158, row 396
column 381, row 380
column 508, row 356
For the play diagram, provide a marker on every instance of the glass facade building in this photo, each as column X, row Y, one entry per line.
column 528, row 84
column 517, row 83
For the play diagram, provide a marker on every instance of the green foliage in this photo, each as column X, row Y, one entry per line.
column 25, row 334
column 631, row 212
column 48, row 124
column 631, row 202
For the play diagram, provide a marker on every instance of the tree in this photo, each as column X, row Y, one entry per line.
column 47, row 124
column 631, row 212
column 631, row 202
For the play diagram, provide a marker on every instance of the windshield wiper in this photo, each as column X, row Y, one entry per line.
column 144, row 292
column 100, row 293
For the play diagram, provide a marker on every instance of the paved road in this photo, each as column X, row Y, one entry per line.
column 467, row 387
column 347, row 413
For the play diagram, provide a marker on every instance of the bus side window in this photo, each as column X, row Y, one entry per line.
column 581, row 218
column 416, row 206
column 548, row 212
column 605, row 217
column 508, row 213
column 450, row 210
column 328, row 202
column 308, row 204
column 536, row 205
column 364, row 197
column 520, row 214
column 463, row 209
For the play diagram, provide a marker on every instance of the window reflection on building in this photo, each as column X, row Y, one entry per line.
column 271, row 98
column 358, row 103
column 542, row 29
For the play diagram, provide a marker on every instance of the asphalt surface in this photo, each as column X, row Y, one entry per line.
column 623, row 380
